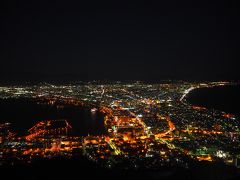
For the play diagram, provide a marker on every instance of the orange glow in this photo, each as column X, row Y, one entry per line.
column 198, row 108
column 204, row 158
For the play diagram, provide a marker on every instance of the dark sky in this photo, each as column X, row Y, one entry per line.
column 144, row 40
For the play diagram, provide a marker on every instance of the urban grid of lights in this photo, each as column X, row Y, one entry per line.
column 150, row 124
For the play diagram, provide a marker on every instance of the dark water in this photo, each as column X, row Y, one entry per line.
column 224, row 98
column 24, row 113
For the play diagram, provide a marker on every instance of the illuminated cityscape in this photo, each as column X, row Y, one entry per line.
column 148, row 126
column 120, row 90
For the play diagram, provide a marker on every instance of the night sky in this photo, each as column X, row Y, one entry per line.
column 137, row 40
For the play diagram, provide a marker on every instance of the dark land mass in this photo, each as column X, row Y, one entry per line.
column 82, row 168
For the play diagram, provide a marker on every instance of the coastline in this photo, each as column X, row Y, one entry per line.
column 192, row 97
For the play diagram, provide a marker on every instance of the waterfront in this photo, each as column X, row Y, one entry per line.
column 150, row 127
column 224, row 98
column 23, row 113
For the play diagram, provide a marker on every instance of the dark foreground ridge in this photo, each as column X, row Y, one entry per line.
column 78, row 168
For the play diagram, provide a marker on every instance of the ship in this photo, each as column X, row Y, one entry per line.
column 93, row 109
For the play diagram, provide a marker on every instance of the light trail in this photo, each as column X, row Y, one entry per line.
column 113, row 146
column 186, row 92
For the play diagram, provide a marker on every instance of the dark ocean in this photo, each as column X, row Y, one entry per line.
column 24, row 113
column 224, row 98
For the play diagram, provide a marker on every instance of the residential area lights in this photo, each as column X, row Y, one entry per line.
column 148, row 125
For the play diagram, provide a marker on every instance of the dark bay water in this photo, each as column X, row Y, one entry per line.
column 224, row 98
column 24, row 113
